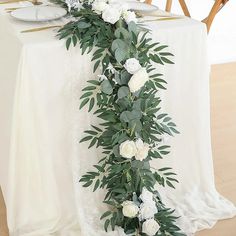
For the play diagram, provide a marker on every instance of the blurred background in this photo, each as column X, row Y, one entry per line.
column 222, row 36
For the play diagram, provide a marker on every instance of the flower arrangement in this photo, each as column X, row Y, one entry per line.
column 125, row 99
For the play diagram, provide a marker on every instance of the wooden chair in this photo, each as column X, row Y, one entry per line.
column 217, row 6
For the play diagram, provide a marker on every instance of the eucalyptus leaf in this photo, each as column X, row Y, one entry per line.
column 123, row 92
column 106, row 87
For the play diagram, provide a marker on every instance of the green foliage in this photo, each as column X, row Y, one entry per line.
column 124, row 116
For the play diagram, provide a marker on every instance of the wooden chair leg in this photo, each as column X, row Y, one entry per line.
column 148, row 1
column 184, row 8
column 168, row 5
column 3, row 217
column 216, row 7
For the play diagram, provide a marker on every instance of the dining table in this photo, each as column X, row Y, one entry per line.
column 41, row 158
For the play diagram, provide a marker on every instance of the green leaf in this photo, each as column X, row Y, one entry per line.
column 135, row 125
column 165, row 168
column 83, row 25
column 132, row 26
column 107, row 222
column 118, row 44
column 91, row 104
column 106, row 214
column 74, row 39
column 87, row 94
column 88, row 184
column 85, row 139
column 96, row 185
column 123, row 92
column 128, row 116
column 99, row 168
column 120, row 54
column 161, row 116
column 121, row 32
column 167, row 60
column 96, row 65
column 106, row 87
column 160, row 48
column 163, row 147
column 170, row 184
column 124, row 77
column 93, row 142
column 84, row 102
column 68, row 42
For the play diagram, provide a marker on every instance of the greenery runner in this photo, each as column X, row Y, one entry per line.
column 126, row 100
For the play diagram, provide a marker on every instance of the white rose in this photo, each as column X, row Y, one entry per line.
column 111, row 15
column 129, row 16
column 128, row 149
column 138, row 80
column 130, row 209
column 146, row 196
column 147, row 210
column 142, row 150
column 99, row 6
column 132, row 65
column 150, row 227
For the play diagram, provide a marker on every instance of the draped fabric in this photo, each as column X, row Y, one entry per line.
column 41, row 159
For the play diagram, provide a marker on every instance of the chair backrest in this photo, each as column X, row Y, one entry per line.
column 217, row 6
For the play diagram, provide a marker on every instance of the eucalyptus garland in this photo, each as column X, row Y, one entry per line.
column 126, row 100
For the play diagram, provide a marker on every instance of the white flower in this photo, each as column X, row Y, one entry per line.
column 130, row 209
column 147, row 210
column 146, row 196
column 129, row 16
column 73, row 4
column 111, row 69
column 111, row 15
column 150, row 227
column 132, row 65
column 99, row 6
column 138, row 80
column 102, row 77
column 142, row 150
column 128, row 149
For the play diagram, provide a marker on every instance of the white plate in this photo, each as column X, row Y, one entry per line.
column 140, row 6
column 39, row 13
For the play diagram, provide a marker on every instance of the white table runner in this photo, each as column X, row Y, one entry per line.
column 41, row 159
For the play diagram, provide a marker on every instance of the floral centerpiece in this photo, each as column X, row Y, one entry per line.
column 125, row 98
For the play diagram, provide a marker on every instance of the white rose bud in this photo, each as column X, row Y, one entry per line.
column 129, row 16
column 99, row 6
column 132, row 65
column 146, row 196
column 130, row 209
column 111, row 15
column 150, row 227
column 128, row 149
column 147, row 210
column 142, row 150
column 138, row 80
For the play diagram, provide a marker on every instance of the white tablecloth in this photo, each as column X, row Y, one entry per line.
column 40, row 125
